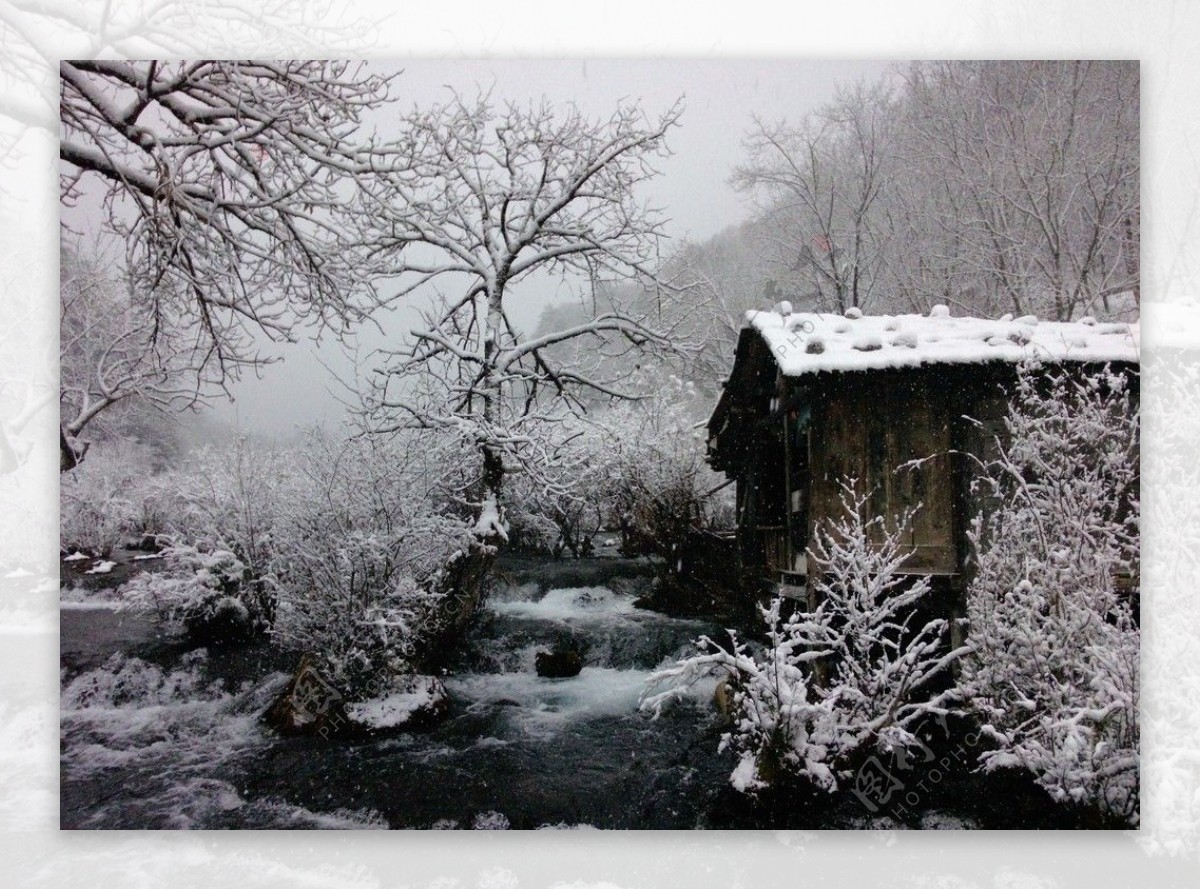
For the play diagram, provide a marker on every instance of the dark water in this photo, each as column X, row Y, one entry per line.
column 157, row 737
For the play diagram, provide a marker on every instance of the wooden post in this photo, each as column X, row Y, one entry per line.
column 789, row 559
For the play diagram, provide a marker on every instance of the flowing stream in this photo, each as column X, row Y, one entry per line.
column 154, row 736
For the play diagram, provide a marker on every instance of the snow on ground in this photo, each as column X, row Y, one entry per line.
column 810, row 342
column 101, row 568
column 75, row 557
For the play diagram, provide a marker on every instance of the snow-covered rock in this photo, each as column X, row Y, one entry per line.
column 311, row 705
column 308, row 705
column 414, row 700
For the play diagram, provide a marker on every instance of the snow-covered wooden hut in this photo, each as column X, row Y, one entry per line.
column 816, row 398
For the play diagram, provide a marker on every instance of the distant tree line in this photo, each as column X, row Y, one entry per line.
column 990, row 187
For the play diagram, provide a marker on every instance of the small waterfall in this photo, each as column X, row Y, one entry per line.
column 187, row 750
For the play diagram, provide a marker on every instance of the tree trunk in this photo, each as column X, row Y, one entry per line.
column 69, row 455
column 490, row 526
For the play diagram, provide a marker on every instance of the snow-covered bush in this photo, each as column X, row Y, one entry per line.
column 236, row 496
column 100, row 500
column 228, row 512
column 560, row 507
column 350, row 600
column 208, row 595
column 634, row 465
column 362, row 551
column 333, row 545
column 779, row 723
column 1053, row 675
column 357, row 602
column 833, row 684
column 658, row 480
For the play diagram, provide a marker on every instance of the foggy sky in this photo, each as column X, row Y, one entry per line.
column 720, row 98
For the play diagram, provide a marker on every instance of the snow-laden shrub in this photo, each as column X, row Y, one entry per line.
column 561, row 506
column 206, row 594
column 239, row 496
column 356, row 602
column 1053, row 675
column 100, row 500
column 833, row 684
column 637, row 465
column 779, row 723
column 229, row 511
column 334, row 545
column 362, row 551
column 532, row 528
column 658, row 480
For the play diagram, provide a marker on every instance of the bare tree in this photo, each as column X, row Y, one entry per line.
column 717, row 282
column 823, row 181
column 1023, row 184
column 118, row 348
column 491, row 197
column 996, row 186
column 231, row 186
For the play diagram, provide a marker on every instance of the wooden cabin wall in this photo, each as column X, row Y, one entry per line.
column 866, row 427
column 796, row 417
column 788, row 441
column 761, row 475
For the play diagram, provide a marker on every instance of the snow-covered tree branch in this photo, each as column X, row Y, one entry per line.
column 823, row 181
column 231, row 186
column 491, row 196
column 1020, row 187
column 994, row 186
column 36, row 34
column 117, row 348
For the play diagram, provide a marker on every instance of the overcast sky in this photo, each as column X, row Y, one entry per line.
column 720, row 98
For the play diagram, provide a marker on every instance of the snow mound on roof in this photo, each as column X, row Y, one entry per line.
column 811, row 342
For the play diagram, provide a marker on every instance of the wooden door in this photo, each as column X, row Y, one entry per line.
column 891, row 432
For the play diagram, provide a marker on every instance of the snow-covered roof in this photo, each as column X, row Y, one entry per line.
column 810, row 342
